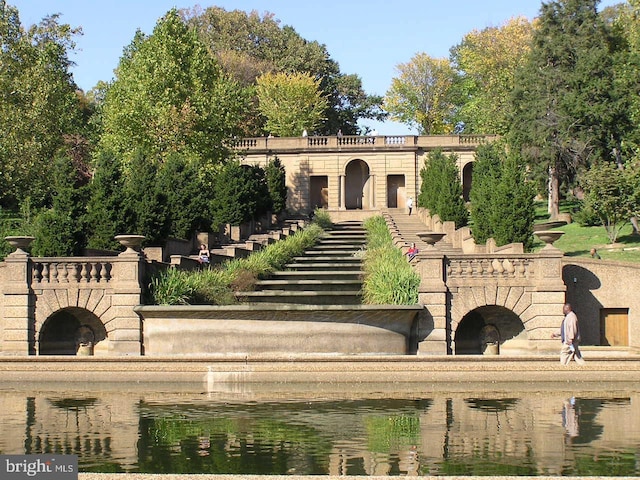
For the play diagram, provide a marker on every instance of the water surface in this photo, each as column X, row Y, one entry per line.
column 329, row 430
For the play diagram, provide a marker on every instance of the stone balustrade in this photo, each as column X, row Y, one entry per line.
column 71, row 270
column 489, row 267
column 359, row 142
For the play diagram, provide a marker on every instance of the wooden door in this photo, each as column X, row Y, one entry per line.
column 614, row 327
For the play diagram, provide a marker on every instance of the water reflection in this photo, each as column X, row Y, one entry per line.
column 375, row 433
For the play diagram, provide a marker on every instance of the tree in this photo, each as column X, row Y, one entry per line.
column 248, row 45
column 562, row 107
column 486, row 176
column 613, row 194
column 185, row 184
column 486, row 61
column 501, row 198
column 59, row 230
column 38, row 104
column 440, row 190
column 290, row 103
column 170, row 97
column 276, row 178
column 421, row 96
column 145, row 202
column 233, row 199
column 106, row 204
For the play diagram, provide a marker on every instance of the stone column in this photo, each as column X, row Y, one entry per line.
column 548, row 298
column 433, row 320
column 18, row 306
column 125, row 327
column 343, row 196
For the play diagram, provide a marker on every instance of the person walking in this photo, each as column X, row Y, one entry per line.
column 569, row 334
column 410, row 204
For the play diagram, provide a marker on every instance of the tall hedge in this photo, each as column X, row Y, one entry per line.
column 441, row 190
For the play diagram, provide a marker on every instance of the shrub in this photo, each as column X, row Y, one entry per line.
column 389, row 279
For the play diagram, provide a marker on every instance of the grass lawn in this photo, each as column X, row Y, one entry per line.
column 577, row 241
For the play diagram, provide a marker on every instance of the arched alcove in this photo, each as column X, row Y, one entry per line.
column 467, row 176
column 357, row 195
column 66, row 329
column 472, row 331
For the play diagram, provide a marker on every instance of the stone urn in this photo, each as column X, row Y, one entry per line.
column 131, row 242
column 19, row 243
column 431, row 238
column 549, row 237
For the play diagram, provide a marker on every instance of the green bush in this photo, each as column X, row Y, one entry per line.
column 389, row 278
column 217, row 286
column 322, row 218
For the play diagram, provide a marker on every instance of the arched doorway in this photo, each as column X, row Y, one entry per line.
column 467, row 176
column 489, row 323
column 64, row 331
column 357, row 195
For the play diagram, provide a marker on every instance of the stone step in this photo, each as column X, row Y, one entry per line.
column 352, row 297
column 326, row 266
column 307, row 284
column 323, row 258
column 318, row 274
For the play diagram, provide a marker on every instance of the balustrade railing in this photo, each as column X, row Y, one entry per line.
column 71, row 270
column 511, row 267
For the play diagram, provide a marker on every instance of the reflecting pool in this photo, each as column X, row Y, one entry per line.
column 375, row 430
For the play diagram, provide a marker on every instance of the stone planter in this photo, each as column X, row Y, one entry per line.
column 131, row 242
column 19, row 243
column 549, row 237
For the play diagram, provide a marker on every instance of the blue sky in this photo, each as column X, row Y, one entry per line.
column 368, row 38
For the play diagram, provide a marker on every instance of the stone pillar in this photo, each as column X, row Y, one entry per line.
column 343, row 195
column 433, row 323
column 18, row 306
column 125, row 327
column 548, row 298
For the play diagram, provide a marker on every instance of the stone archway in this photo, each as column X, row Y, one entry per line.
column 65, row 330
column 472, row 332
column 357, row 195
column 467, row 180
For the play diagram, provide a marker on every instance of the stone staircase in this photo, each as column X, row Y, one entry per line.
column 330, row 273
column 405, row 228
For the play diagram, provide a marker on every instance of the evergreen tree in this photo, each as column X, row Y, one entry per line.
column 501, row 198
column 105, row 209
column 146, row 205
column 276, row 178
column 563, row 116
column 486, row 175
column 59, row 230
column 441, row 191
column 233, row 201
column 183, row 181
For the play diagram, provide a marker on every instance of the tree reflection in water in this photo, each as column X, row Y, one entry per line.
column 431, row 434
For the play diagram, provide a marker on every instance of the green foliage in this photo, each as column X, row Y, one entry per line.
column 216, row 286
column 170, row 97
column 421, row 96
column 38, row 105
column 322, row 218
column 106, row 205
column 389, row 279
column 145, row 203
column 233, row 199
column 59, row 230
column 487, row 61
column 440, row 190
column 248, row 45
column 565, row 114
column 184, row 183
column 613, row 194
column 290, row 102
column 276, row 178
column 502, row 205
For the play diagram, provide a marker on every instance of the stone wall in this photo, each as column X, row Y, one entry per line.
column 593, row 285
